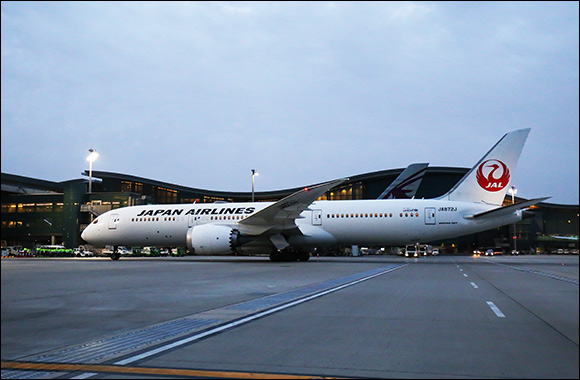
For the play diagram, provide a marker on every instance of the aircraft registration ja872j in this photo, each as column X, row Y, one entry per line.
column 285, row 229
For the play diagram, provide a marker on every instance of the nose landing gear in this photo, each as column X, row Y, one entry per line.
column 116, row 254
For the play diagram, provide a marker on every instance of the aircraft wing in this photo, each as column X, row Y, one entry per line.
column 282, row 214
column 507, row 209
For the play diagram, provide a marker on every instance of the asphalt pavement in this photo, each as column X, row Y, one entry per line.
column 247, row 317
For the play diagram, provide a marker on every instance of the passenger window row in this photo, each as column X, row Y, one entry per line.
column 329, row 216
column 172, row 218
column 375, row 215
column 229, row 217
column 152, row 219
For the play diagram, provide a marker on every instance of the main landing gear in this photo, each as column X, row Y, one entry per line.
column 289, row 254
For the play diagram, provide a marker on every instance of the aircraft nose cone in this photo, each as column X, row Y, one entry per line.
column 84, row 234
column 88, row 233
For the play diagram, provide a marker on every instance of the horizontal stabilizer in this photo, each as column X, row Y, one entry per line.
column 507, row 209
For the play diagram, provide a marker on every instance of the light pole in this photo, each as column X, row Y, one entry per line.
column 254, row 173
column 513, row 191
column 91, row 158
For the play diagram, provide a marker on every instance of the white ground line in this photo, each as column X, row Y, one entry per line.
column 495, row 309
column 245, row 320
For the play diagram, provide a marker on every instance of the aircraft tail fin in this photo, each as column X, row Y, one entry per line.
column 488, row 181
column 406, row 184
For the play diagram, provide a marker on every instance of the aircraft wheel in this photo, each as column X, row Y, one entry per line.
column 115, row 255
column 276, row 256
column 303, row 256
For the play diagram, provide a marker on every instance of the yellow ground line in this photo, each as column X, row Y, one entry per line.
column 150, row 371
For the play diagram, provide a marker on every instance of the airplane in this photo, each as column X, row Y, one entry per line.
column 405, row 186
column 286, row 228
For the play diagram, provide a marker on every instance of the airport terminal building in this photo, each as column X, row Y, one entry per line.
column 39, row 212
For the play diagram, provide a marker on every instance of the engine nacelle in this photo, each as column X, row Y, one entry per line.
column 212, row 239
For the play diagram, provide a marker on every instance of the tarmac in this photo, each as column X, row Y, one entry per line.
column 246, row 317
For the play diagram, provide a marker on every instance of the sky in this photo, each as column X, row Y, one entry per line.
column 200, row 93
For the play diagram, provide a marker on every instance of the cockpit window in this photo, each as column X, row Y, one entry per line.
column 95, row 221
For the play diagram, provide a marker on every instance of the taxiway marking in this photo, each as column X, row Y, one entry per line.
column 495, row 309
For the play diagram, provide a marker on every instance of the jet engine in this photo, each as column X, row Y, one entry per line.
column 213, row 239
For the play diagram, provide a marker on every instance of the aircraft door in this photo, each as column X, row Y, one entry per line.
column 113, row 219
column 430, row 218
column 191, row 221
column 317, row 217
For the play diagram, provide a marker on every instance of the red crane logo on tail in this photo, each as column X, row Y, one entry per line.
column 493, row 175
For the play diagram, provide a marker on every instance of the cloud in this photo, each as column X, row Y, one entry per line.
column 181, row 91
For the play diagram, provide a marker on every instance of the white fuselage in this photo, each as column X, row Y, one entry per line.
column 364, row 222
